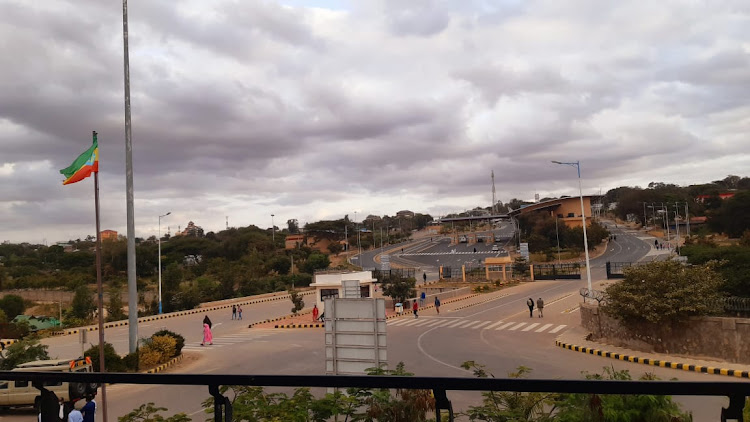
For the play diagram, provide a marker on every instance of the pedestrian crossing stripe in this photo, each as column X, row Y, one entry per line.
column 536, row 327
column 448, row 253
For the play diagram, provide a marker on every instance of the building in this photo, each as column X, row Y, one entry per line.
column 405, row 214
column 108, row 235
column 294, row 241
column 191, row 230
column 702, row 198
column 329, row 284
column 567, row 210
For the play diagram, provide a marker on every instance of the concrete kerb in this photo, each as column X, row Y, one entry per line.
column 173, row 314
column 8, row 342
column 278, row 318
column 655, row 362
column 165, row 365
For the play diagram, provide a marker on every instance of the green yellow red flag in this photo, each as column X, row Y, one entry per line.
column 83, row 166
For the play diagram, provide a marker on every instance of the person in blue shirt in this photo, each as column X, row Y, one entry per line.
column 89, row 409
column 422, row 297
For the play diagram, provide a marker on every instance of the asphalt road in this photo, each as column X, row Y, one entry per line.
column 499, row 334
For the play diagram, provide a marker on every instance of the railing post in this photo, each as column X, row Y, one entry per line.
column 222, row 405
column 734, row 410
column 442, row 402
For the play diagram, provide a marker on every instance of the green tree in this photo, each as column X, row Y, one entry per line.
column 297, row 301
column 399, row 288
column 21, row 352
column 150, row 413
column 663, row 292
column 316, row 261
column 83, row 304
column 112, row 361
column 335, row 248
column 114, row 307
column 12, row 305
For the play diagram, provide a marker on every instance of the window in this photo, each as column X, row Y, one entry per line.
column 3, row 385
column 497, row 268
column 328, row 293
column 21, row 384
column 364, row 291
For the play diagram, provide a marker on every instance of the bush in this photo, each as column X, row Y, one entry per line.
column 179, row 340
column 148, row 358
column 12, row 305
column 131, row 361
column 22, row 352
column 112, row 361
column 165, row 345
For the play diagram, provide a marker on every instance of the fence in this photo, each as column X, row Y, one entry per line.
column 381, row 275
column 736, row 391
column 557, row 271
column 430, row 298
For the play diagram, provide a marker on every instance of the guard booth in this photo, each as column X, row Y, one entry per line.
column 332, row 285
column 497, row 267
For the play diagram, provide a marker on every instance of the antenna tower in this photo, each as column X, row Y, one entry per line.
column 227, row 222
column 494, row 202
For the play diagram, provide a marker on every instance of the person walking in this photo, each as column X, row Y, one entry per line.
column 415, row 308
column 234, row 311
column 315, row 312
column 75, row 416
column 540, row 305
column 207, row 335
column 424, row 277
column 437, row 305
column 530, row 304
column 422, row 298
column 239, row 311
column 89, row 409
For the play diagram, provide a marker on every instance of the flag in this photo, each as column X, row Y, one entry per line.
column 83, row 166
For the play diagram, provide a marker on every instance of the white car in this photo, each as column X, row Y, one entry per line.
column 463, row 239
column 495, row 248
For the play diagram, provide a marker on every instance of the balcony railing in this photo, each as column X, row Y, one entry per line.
column 736, row 391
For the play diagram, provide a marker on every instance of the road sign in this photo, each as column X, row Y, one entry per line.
column 525, row 251
column 385, row 262
column 355, row 337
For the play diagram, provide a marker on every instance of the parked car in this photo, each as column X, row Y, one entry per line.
column 463, row 239
column 495, row 248
column 22, row 393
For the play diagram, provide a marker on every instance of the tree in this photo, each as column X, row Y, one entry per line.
column 112, row 361
column 399, row 288
column 83, row 304
column 335, row 248
column 114, row 307
column 732, row 217
column 316, row 261
column 12, row 305
column 663, row 292
column 297, row 301
column 149, row 413
column 21, row 352
column 293, row 226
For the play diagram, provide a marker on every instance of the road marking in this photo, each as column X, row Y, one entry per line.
column 462, row 324
column 423, row 322
column 461, row 321
column 445, row 323
column 410, row 322
column 558, row 328
column 493, row 325
column 484, row 323
column 505, row 326
column 517, row 327
column 435, row 323
column 544, row 327
column 398, row 321
column 530, row 327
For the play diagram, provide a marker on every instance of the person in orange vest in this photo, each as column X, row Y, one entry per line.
column 414, row 308
column 315, row 312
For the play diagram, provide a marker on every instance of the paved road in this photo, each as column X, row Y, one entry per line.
column 499, row 334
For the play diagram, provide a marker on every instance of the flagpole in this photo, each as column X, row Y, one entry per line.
column 100, row 292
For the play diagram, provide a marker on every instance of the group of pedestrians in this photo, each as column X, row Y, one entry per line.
column 55, row 410
column 237, row 312
column 539, row 305
column 422, row 297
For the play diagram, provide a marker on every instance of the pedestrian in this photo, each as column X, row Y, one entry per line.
column 475, row 250
column 89, row 409
column 540, row 305
column 424, row 277
column 422, row 297
column 239, row 311
column 49, row 406
column 207, row 335
column 234, row 311
column 437, row 305
column 414, row 308
column 75, row 416
column 656, row 243
column 530, row 304
column 315, row 312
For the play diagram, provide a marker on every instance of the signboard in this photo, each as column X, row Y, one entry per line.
column 355, row 337
column 385, row 262
column 350, row 289
column 525, row 251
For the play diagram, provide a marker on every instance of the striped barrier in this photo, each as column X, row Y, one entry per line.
column 164, row 366
column 278, row 318
column 317, row 325
column 655, row 362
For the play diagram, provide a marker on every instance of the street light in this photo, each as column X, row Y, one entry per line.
column 577, row 165
column 273, row 231
column 159, row 241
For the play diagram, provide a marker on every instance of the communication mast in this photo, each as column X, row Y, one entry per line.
column 494, row 202
column 227, row 217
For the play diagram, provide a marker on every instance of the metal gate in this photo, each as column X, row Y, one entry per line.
column 557, row 271
column 617, row 269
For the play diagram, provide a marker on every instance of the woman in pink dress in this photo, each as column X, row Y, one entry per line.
column 207, row 336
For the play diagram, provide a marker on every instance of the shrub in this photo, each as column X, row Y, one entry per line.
column 164, row 345
column 12, row 305
column 131, row 361
column 148, row 358
column 22, row 352
column 112, row 361
column 179, row 340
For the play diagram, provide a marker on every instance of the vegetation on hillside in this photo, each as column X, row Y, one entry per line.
column 541, row 231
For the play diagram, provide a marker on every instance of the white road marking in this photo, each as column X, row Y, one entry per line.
column 397, row 322
column 484, row 323
column 558, row 328
column 517, row 327
column 445, row 323
column 505, row 326
column 530, row 327
column 544, row 327
column 410, row 322
column 456, row 323
column 463, row 324
column 493, row 325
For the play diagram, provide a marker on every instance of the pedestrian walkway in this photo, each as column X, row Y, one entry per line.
column 460, row 323
column 230, row 339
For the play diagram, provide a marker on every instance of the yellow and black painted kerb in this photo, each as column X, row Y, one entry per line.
column 164, row 366
column 8, row 342
column 656, row 362
column 317, row 325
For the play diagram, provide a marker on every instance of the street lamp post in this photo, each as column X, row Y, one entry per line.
column 577, row 165
column 273, row 232
column 159, row 242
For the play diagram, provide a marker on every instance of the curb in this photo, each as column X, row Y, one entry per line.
column 318, row 325
column 278, row 319
column 164, row 366
column 656, row 362
column 173, row 314
column 8, row 342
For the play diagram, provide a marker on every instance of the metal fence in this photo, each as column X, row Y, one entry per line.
column 381, row 275
column 557, row 271
column 736, row 391
column 452, row 272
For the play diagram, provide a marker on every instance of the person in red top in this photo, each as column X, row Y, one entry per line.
column 414, row 308
column 315, row 312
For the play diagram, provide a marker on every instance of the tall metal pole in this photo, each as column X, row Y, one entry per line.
column 132, row 287
column 677, row 227
column 273, row 231
column 687, row 219
column 100, row 292
column 557, row 233
column 644, row 216
column 160, row 217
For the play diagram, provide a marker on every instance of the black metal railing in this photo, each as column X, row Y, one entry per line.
column 571, row 271
column 736, row 391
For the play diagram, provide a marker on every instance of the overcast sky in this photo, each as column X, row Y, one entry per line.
column 316, row 109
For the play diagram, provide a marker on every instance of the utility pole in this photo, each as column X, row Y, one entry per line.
column 493, row 193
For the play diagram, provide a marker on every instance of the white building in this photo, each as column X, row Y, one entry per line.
column 329, row 284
